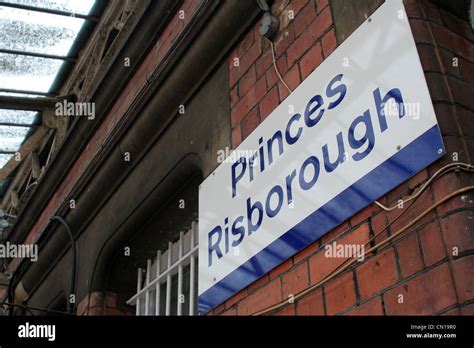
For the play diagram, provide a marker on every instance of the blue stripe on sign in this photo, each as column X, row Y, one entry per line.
column 408, row 161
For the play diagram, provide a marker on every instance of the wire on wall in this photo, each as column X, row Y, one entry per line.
column 350, row 262
column 275, row 65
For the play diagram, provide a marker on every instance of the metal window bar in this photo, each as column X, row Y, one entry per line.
column 11, row 124
column 158, row 288
column 176, row 264
column 139, row 284
column 23, row 91
column 192, row 271
column 180, row 276
column 168, row 281
column 147, row 293
column 38, row 55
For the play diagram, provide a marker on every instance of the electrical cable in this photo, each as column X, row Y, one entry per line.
column 377, row 246
column 30, row 308
column 17, row 305
column 456, row 165
column 70, row 305
column 376, row 234
column 443, row 170
column 275, row 65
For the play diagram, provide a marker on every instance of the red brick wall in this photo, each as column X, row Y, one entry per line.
column 300, row 47
column 100, row 303
column 421, row 265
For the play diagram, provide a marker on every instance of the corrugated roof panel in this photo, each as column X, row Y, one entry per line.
column 27, row 31
column 4, row 158
column 27, row 73
column 18, row 116
column 11, row 138
column 37, row 32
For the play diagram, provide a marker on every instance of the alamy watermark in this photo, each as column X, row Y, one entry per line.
column 392, row 108
column 335, row 250
column 28, row 330
column 66, row 108
column 23, row 251
column 230, row 156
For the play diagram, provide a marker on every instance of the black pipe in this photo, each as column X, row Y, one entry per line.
column 72, row 289
column 70, row 305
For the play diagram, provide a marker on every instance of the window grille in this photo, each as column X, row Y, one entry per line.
column 168, row 286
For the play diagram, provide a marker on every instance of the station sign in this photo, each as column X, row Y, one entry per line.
column 357, row 127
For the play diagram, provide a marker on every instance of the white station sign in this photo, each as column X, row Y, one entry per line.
column 358, row 126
